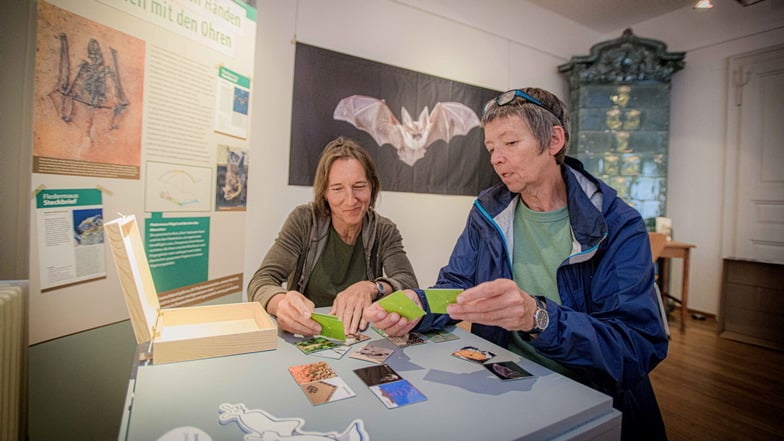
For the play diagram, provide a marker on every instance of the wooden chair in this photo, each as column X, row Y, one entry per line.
column 658, row 242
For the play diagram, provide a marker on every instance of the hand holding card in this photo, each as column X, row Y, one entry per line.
column 399, row 302
column 331, row 326
column 439, row 298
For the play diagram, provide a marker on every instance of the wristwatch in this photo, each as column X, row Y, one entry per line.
column 380, row 287
column 541, row 318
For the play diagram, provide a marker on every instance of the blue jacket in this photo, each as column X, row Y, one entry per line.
column 607, row 328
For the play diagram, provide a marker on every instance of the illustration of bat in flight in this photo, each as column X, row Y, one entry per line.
column 411, row 138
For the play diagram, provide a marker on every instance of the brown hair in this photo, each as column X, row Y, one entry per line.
column 540, row 120
column 342, row 148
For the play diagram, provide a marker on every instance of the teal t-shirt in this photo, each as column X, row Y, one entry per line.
column 339, row 266
column 542, row 240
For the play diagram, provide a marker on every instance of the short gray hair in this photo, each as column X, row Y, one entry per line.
column 539, row 119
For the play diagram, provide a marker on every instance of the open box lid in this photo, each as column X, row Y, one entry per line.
column 133, row 270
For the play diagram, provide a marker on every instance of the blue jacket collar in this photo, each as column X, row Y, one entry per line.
column 587, row 198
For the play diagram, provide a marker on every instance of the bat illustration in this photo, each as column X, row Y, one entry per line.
column 411, row 138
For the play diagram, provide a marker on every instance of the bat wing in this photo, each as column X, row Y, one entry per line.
column 371, row 115
column 449, row 120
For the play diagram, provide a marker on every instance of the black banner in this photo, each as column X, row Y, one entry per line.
column 438, row 151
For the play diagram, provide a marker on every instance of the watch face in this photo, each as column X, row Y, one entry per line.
column 542, row 319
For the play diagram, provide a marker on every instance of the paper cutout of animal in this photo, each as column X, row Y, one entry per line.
column 259, row 425
column 411, row 138
column 187, row 433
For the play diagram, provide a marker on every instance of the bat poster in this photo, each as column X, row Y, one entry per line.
column 422, row 131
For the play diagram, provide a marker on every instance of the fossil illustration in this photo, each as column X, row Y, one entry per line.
column 95, row 85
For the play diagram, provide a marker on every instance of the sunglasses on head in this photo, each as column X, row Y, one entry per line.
column 510, row 95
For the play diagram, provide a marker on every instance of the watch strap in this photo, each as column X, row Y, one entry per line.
column 380, row 288
column 541, row 308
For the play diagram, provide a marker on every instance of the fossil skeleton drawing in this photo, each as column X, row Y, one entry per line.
column 95, row 85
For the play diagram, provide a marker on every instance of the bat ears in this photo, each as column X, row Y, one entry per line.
column 408, row 121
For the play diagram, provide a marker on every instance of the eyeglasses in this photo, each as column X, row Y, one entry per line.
column 510, row 95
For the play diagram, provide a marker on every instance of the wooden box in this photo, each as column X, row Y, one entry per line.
column 186, row 333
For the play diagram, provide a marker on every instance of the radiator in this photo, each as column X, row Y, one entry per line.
column 12, row 361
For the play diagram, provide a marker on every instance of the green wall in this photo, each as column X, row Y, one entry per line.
column 78, row 383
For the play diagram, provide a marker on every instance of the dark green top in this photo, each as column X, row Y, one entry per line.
column 340, row 266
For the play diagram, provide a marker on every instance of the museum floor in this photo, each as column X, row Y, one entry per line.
column 712, row 388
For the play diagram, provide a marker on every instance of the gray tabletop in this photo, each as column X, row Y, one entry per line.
column 464, row 400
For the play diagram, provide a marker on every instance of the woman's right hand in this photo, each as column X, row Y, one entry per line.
column 293, row 311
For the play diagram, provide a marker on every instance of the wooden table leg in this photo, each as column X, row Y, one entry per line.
column 677, row 250
column 685, row 290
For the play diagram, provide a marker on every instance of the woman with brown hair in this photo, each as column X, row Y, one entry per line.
column 335, row 251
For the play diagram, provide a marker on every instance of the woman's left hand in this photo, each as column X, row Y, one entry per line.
column 351, row 302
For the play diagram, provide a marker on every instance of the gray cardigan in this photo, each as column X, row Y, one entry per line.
column 302, row 239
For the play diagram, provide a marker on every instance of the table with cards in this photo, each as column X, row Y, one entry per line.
column 450, row 385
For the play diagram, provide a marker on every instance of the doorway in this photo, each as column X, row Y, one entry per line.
column 753, row 213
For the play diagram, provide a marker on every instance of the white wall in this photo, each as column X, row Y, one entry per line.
column 698, row 124
column 499, row 44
